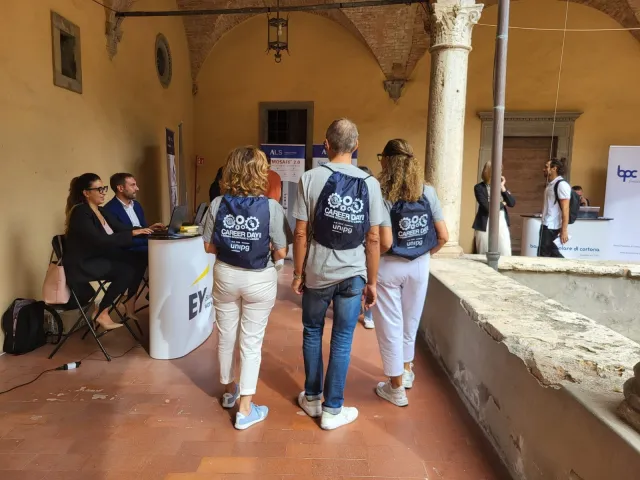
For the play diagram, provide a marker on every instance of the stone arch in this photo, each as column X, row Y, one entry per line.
column 205, row 31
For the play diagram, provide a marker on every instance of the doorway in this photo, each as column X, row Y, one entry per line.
column 527, row 145
column 522, row 161
column 287, row 123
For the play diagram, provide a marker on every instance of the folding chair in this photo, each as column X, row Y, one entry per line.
column 144, row 285
column 82, row 298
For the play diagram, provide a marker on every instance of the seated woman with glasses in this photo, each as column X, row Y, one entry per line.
column 93, row 247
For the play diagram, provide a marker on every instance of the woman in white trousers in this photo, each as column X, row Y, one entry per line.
column 248, row 233
column 413, row 229
column 482, row 192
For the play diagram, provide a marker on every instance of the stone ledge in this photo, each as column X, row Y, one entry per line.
column 564, row 265
column 558, row 346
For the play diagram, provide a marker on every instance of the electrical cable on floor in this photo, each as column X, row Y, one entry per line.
column 67, row 366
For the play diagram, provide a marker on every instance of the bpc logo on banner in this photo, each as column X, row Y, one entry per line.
column 624, row 174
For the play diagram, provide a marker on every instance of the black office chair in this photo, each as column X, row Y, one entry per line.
column 82, row 298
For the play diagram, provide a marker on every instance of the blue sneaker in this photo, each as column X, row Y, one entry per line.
column 229, row 399
column 257, row 414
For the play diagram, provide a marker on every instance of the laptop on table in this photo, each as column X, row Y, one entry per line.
column 173, row 231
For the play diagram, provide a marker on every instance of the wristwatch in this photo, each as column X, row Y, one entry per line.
column 296, row 276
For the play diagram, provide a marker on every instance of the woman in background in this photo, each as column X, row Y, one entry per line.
column 247, row 232
column 482, row 192
column 412, row 229
column 93, row 248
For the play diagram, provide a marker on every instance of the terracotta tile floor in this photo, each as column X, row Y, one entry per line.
column 142, row 419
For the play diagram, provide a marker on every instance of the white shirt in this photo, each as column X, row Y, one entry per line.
column 131, row 213
column 551, row 211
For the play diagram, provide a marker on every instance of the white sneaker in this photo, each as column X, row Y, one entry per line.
column 408, row 377
column 397, row 396
column 313, row 408
column 368, row 323
column 346, row 416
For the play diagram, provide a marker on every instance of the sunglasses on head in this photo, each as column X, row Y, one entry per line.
column 99, row 189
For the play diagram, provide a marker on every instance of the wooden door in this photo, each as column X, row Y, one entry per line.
column 522, row 163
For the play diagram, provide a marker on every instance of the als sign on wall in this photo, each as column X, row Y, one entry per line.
column 320, row 156
column 622, row 203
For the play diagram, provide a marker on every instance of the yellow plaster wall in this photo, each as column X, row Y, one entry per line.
column 49, row 135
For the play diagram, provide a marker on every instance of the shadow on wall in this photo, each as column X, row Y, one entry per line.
column 151, row 184
column 27, row 280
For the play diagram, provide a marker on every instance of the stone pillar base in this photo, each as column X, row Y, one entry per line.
column 450, row 251
column 629, row 415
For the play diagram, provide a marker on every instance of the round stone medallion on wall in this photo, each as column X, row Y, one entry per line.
column 164, row 65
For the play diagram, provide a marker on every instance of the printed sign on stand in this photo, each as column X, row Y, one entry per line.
column 320, row 156
column 622, row 202
column 286, row 160
column 171, row 168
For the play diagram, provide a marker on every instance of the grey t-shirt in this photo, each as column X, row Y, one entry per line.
column 325, row 266
column 279, row 230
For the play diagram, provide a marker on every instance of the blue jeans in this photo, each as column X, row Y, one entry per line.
column 346, row 297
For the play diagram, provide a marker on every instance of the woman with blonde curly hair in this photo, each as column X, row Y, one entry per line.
column 412, row 229
column 248, row 233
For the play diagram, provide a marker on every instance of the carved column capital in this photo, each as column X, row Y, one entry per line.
column 394, row 88
column 451, row 24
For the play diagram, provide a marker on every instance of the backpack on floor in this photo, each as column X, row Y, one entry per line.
column 23, row 325
column 574, row 202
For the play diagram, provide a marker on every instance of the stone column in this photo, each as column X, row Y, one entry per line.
column 450, row 26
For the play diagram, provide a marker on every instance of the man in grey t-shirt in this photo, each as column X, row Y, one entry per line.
column 323, row 274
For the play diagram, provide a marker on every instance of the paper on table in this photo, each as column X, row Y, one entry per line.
column 559, row 243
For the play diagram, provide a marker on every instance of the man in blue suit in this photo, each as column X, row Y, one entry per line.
column 126, row 209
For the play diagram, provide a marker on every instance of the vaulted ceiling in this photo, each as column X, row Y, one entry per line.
column 396, row 35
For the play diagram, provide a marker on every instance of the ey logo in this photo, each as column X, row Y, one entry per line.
column 624, row 174
column 197, row 300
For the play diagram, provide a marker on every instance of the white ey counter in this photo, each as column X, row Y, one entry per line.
column 181, row 314
column 590, row 238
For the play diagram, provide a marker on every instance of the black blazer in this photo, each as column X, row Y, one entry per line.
column 86, row 242
column 482, row 197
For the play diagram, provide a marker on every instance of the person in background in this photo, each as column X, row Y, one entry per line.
column 274, row 190
column 412, row 229
column 367, row 314
column 584, row 201
column 337, row 207
column 555, row 211
column 482, row 192
column 245, row 278
column 94, row 247
column 214, row 189
column 126, row 209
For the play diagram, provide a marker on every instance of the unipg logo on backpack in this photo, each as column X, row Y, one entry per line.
column 413, row 230
column 241, row 231
column 239, row 227
column 341, row 218
column 345, row 208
